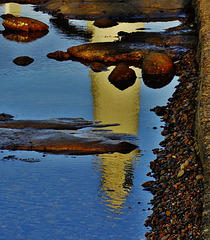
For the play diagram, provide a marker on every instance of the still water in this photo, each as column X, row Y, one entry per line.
column 75, row 197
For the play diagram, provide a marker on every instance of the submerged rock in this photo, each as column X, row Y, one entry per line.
column 23, row 60
column 24, row 24
column 122, row 76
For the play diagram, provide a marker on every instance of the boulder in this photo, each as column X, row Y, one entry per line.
column 23, row 60
column 157, row 63
column 24, row 24
column 122, row 76
column 104, row 23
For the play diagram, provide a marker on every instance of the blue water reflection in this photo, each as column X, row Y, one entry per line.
column 74, row 197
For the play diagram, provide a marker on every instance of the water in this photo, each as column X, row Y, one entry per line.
column 75, row 197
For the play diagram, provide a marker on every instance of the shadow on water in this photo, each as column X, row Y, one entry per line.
column 75, row 197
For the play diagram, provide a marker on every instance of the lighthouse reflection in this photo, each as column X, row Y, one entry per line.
column 111, row 105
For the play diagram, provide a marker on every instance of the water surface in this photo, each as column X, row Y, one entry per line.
column 75, row 197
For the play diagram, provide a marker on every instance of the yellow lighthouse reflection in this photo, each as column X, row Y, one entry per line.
column 13, row 8
column 111, row 105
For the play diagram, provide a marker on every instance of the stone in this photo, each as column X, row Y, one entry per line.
column 23, row 60
column 148, row 184
column 180, row 173
column 157, row 63
column 24, row 24
column 122, row 76
column 59, row 55
column 104, row 23
column 185, row 165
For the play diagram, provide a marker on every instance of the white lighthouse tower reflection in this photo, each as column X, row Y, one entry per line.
column 111, row 105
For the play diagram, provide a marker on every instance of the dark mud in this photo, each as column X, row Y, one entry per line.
column 177, row 169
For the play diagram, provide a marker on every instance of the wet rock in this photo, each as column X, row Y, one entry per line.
column 98, row 67
column 148, row 184
column 39, row 136
column 59, row 55
column 5, row 117
column 159, row 110
column 122, row 76
column 8, row 15
column 157, row 64
column 24, row 24
column 104, row 23
column 23, row 60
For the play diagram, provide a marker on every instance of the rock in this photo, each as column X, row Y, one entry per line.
column 148, row 184
column 24, row 24
column 5, row 117
column 104, row 23
column 98, row 67
column 59, row 55
column 157, row 63
column 23, row 60
column 185, row 165
column 8, row 15
column 159, row 110
column 50, row 135
column 122, row 76
column 180, row 173
column 198, row 177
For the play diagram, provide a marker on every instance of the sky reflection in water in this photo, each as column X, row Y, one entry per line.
column 75, row 197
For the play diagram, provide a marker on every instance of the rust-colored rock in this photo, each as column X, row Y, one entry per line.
column 104, row 23
column 59, row 55
column 157, row 63
column 23, row 60
column 122, row 76
column 107, row 52
column 24, row 24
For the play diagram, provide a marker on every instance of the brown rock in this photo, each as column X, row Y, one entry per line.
column 59, row 55
column 157, row 63
column 24, row 24
column 104, row 23
column 122, row 76
column 23, row 60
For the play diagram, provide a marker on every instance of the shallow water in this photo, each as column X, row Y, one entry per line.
column 76, row 197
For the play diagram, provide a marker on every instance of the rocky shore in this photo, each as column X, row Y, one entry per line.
column 177, row 169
